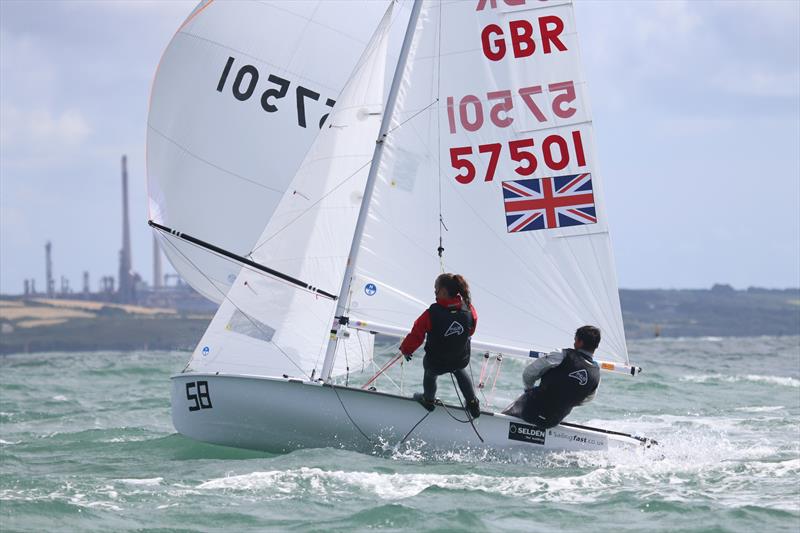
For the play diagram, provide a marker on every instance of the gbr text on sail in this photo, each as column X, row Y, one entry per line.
column 530, row 122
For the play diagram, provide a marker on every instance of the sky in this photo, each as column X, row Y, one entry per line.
column 696, row 108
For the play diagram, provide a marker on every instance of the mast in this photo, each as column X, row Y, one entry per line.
column 341, row 303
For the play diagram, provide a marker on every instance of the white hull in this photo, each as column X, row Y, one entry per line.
column 280, row 415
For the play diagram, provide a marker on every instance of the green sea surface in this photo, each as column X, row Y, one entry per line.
column 87, row 445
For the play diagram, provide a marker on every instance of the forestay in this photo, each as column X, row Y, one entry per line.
column 266, row 326
column 493, row 131
column 238, row 98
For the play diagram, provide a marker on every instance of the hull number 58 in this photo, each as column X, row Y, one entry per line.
column 197, row 394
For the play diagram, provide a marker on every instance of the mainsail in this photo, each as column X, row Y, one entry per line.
column 488, row 169
column 492, row 147
column 266, row 326
column 239, row 96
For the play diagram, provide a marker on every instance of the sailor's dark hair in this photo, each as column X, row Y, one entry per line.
column 455, row 284
column 589, row 336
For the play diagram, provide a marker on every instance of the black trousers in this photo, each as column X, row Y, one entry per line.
column 531, row 410
column 462, row 377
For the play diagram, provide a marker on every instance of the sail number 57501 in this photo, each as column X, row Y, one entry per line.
column 246, row 80
column 555, row 151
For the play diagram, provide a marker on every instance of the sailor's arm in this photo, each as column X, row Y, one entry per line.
column 416, row 336
column 536, row 369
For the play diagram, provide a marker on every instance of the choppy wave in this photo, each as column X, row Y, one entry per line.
column 108, row 458
column 785, row 381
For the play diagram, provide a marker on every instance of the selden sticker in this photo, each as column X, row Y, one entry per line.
column 525, row 433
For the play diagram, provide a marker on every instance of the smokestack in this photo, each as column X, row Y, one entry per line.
column 125, row 293
column 156, row 263
column 85, row 282
column 65, row 285
column 50, row 284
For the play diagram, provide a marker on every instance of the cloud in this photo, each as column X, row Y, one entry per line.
column 42, row 129
column 41, row 138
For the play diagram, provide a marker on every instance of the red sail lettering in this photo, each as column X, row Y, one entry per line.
column 493, row 4
column 522, row 38
column 499, row 50
column 550, row 34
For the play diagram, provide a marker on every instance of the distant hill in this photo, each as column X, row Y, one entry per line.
column 39, row 325
column 720, row 312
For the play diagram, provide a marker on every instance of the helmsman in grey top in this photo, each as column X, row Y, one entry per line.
column 566, row 379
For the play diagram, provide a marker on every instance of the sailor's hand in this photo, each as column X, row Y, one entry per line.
column 408, row 356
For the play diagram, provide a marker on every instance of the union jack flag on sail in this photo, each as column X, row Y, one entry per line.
column 547, row 203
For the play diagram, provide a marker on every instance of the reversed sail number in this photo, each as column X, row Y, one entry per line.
column 470, row 109
column 245, row 83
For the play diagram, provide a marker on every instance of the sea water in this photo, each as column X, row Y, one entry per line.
column 87, row 444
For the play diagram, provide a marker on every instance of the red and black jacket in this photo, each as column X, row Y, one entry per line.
column 448, row 325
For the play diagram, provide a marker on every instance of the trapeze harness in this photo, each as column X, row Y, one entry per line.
column 560, row 389
column 447, row 346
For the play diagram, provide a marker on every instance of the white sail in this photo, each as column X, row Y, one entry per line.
column 237, row 100
column 266, row 326
column 489, row 87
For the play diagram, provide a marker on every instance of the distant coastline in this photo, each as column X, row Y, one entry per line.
column 42, row 325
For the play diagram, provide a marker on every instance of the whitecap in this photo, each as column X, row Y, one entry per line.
column 400, row 486
column 760, row 409
column 774, row 380
column 142, row 481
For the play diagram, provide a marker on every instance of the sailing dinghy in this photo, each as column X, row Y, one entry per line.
column 479, row 160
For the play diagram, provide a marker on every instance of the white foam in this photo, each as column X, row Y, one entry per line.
column 143, row 481
column 774, row 380
column 400, row 486
column 760, row 409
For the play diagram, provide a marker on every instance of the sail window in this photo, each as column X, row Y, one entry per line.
column 247, row 325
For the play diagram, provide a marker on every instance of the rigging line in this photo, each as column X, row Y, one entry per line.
column 361, row 348
column 469, row 416
column 413, row 428
column 412, row 116
column 346, row 365
column 472, row 375
column 439, row 135
column 348, row 415
column 244, row 260
column 454, row 417
column 383, row 369
column 226, row 297
column 307, row 209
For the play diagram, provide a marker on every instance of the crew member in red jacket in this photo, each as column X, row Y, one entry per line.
column 448, row 325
